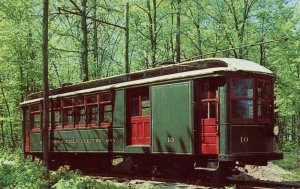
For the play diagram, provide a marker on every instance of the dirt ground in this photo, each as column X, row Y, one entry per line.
column 270, row 172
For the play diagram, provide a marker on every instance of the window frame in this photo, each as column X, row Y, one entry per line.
column 31, row 118
column 255, row 79
column 101, row 110
column 92, row 104
column 53, row 109
column 269, row 101
column 139, row 92
column 79, row 106
column 233, row 119
column 209, row 99
column 66, row 108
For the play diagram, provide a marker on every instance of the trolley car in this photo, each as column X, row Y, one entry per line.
column 201, row 114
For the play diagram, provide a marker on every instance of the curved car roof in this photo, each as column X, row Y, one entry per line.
column 182, row 70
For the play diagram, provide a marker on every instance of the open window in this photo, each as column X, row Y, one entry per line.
column 138, row 112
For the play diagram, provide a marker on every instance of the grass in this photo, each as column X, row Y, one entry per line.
column 291, row 162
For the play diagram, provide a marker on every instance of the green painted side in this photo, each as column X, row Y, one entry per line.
column 137, row 149
column 224, row 127
column 172, row 124
column 119, row 109
column 35, row 142
column 92, row 140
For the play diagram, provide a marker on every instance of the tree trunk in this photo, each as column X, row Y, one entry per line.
column 152, row 31
column 45, row 129
column 96, row 54
column 178, row 31
column 9, row 117
column 84, row 42
column 2, row 133
column 127, row 68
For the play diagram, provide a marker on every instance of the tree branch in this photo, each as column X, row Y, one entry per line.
column 92, row 18
column 76, row 6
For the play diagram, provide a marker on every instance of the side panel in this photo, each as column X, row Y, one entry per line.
column 119, row 109
column 93, row 140
column 224, row 126
column 172, row 123
column 249, row 138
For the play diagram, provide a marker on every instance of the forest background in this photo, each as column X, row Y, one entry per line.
column 86, row 42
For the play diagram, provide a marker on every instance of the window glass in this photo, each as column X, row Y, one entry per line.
column 107, row 117
column 242, row 109
column 37, row 120
column 68, row 102
column 242, row 88
column 209, row 110
column 68, row 116
column 264, row 110
column 204, row 110
column 57, row 118
column 107, row 113
column 91, row 99
column 145, row 101
column 79, row 101
column 79, row 115
column 92, row 114
column 212, row 109
column 105, row 97
column 205, row 90
column 264, row 90
column 145, row 111
column 134, row 106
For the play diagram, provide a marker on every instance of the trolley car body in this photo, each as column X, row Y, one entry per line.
column 210, row 110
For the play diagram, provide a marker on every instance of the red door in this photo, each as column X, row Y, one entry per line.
column 139, row 117
column 209, row 118
column 140, row 130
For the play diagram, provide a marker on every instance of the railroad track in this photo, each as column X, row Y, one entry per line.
column 131, row 179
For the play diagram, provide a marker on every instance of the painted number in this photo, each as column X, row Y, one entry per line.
column 244, row 139
column 170, row 139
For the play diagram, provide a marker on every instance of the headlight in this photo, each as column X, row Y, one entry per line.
column 276, row 130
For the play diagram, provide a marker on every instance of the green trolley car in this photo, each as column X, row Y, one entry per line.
column 200, row 114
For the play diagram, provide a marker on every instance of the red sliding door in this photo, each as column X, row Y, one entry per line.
column 138, row 128
column 209, row 117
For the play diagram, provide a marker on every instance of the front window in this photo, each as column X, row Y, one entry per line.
column 250, row 99
column 242, row 98
column 264, row 100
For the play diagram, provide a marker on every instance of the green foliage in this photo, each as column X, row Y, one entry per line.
column 64, row 177
column 16, row 172
column 206, row 26
column 290, row 162
column 19, row 173
column 291, row 159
